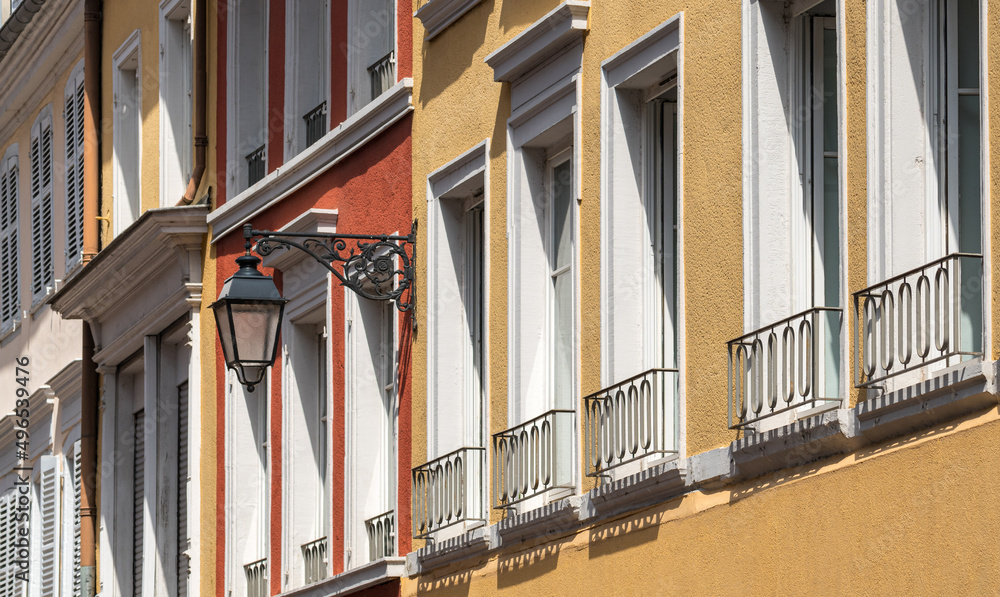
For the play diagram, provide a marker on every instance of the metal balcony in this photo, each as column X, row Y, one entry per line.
column 315, row 124
column 448, row 490
column 928, row 314
column 256, row 573
column 787, row 365
column 256, row 165
column 314, row 555
column 533, row 458
column 381, row 535
column 630, row 420
column 382, row 74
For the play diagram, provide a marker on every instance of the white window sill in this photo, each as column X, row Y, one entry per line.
column 368, row 575
column 361, row 127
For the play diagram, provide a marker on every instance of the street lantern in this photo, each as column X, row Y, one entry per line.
column 250, row 307
column 248, row 314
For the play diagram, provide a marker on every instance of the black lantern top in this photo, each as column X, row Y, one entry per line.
column 248, row 314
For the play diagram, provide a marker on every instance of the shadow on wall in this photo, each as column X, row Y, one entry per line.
column 627, row 533
column 525, row 566
column 446, row 53
column 453, row 585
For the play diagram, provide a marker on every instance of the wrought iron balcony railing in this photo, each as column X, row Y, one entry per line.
column 533, row 458
column 381, row 535
column 314, row 555
column 382, row 74
column 919, row 317
column 631, row 420
column 256, row 573
column 448, row 490
column 786, row 365
column 315, row 124
column 256, row 165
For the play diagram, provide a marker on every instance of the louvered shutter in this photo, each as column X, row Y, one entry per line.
column 41, row 209
column 138, row 479
column 9, row 586
column 182, row 489
column 10, row 274
column 48, row 550
column 74, row 170
column 77, row 469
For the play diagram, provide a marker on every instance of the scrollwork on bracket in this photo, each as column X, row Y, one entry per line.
column 377, row 267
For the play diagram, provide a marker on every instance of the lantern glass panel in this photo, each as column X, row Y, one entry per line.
column 256, row 326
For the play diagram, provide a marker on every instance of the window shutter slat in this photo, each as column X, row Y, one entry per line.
column 49, row 506
column 182, row 487
column 77, row 501
column 138, row 479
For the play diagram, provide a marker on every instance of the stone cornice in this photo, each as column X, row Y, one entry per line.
column 436, row 15
column 132, row 259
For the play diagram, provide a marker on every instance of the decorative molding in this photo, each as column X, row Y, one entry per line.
column 368, row 575
column 311, row 221
column 556, row 30
column 453, row 179
column 436, row 15
column 336, row 145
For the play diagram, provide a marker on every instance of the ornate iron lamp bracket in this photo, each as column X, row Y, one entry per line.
column 376, row 267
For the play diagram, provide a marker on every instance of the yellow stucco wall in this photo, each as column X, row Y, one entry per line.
column 834, row 524
column 121, row 19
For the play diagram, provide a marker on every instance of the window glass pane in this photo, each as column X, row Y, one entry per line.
column 562, row 340
column 829, row 90
column 562, row 236
column 968, row 44
column 831, row 234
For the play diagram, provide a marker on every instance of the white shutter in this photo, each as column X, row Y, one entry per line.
column 138, row 479
column 48, row 550
column 41, row 208
column 10, row 274
column 182, row 488
column 9, row 586
column 74, row 169
column 77, row 501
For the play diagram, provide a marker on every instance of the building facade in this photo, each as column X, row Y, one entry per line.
column 702, row 297
column 707, row 285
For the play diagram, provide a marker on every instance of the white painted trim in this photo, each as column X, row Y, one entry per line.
column 436, row 15
column 131, row 45
column 351, row 135
column 362, row 577
column 291, row 144
column 316, row 221
column 544, row 38
column 166, row 61
column 458, row 177
column 985, row 178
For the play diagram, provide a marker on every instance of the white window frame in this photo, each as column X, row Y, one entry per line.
column 236, row 168
column 127, row 59
column 360, row 35
column 10, row 240
column 306, row 323
column 632, row 82
column 295, row 133
column 176, row 102
column 42, row 202
column 455, row 183
column 73, row 117
column 362, row 374
column 236, row 483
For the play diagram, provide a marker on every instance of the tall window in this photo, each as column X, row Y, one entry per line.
column 306, row 428
column 371, row 430
column 959, row 148
column 127, row 132
column 41, row 206
column 10, row 271
column 12, row 523
column 561, row 244
column 247, row 486
column 371, row 51
column 176, row 85
column 307, row 73
column 73, row 143
column 248, row 94
column 45, row 531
